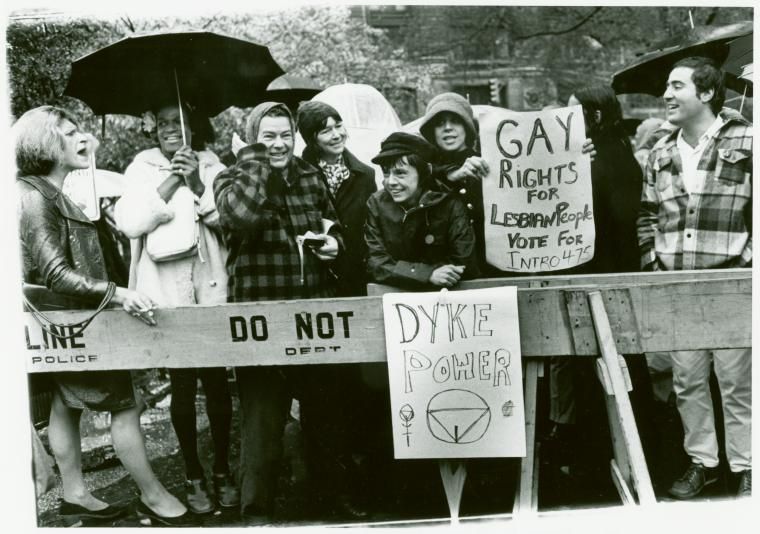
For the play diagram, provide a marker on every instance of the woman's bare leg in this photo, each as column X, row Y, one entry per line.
column 130, row 447
column 65, row 441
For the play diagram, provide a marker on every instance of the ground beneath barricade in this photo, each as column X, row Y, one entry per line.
column 489, row 488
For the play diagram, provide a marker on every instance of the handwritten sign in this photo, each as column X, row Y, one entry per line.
column 455, row 373
column 537, row 198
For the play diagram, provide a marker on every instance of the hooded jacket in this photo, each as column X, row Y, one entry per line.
column 405, row 247
column 261, row 214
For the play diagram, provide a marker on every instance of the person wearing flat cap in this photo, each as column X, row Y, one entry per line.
column 418, row 237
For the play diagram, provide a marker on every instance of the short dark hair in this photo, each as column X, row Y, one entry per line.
column 706, row 76
column 38, row 139
column 422, row 167
column 200, row 126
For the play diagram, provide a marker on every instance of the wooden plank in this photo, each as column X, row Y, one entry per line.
column 620, row 484
column 633, row 448
column 616, row 279
column 525, row 496
column 710, row 313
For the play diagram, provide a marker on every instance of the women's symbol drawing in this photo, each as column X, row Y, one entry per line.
column 406, row 413
column 458, row 416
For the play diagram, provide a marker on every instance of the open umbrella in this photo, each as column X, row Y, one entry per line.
column 292, row 90
column 210, row 71
column 649, row 73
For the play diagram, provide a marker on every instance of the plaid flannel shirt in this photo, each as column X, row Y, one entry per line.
column 708, row 229
column 264, row 262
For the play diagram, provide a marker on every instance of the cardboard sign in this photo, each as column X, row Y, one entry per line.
column 455, row 373
column 537, row 198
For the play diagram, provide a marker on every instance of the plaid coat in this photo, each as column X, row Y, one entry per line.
column 265, row 262
column 708, row 229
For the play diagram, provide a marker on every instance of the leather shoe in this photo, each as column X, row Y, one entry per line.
column 745, row 484
column 693, row 481
column 144, row 512
column 112, row 511
column 345, row 506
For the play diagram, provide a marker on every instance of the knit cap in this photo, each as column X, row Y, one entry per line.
column 311, row 118
column 454, row 103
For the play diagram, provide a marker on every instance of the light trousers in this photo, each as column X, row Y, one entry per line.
column 691, row 383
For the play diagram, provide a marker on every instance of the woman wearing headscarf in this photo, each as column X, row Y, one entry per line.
column 60, row 250
column 162, row 183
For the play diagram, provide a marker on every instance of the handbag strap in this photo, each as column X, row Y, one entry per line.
column 75, row 329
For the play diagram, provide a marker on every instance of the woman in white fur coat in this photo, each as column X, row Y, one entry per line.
column 159, row 182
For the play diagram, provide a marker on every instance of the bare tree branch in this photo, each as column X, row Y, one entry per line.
column 580, row 23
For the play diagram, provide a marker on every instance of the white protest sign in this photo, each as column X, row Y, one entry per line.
column 455, row 373
column 537, row 196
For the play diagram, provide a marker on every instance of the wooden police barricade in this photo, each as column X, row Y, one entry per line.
column 582, row 315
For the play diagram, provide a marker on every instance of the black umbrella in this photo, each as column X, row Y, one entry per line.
column 292, row 90
column 210, row 71
column 649, row 73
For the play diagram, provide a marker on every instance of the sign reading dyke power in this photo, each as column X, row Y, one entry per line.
column 455, row 373
column 537, row 197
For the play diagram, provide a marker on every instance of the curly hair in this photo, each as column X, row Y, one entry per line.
column 38, row 140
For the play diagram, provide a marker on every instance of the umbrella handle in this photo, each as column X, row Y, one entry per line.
column 181, row 114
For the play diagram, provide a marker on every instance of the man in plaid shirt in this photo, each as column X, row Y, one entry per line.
column 265, row 202
column 696, row 213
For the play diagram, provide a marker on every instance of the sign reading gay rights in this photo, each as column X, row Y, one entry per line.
column 537, row 198
column 455, row 373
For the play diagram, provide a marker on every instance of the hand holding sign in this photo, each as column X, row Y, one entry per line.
column 473, row 167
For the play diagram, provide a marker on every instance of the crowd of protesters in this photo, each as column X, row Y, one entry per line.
column 682, row 201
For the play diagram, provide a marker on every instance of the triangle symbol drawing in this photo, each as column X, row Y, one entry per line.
column 458, row 425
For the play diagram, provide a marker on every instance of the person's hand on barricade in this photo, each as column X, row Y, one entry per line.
column 446, row 275
column 136, row 304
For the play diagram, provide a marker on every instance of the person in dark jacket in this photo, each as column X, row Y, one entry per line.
column 417, row 237
column 266, row 202
column 450, row 125
column 576, row 395
column 349, row 182
column 60, row 250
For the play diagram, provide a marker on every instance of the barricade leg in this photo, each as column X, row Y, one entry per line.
column 629, row 454
column 526, row 496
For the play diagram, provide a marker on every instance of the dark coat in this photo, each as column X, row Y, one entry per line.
column 406, row 247
column 616, row 182
column 350, row 202
column 470, row 192
column 59, row 244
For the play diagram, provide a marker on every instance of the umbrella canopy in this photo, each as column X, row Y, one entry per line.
column 649, row 73
column 213, row 72
column 292, row 90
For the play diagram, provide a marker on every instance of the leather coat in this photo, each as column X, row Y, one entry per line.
column 59, row 244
